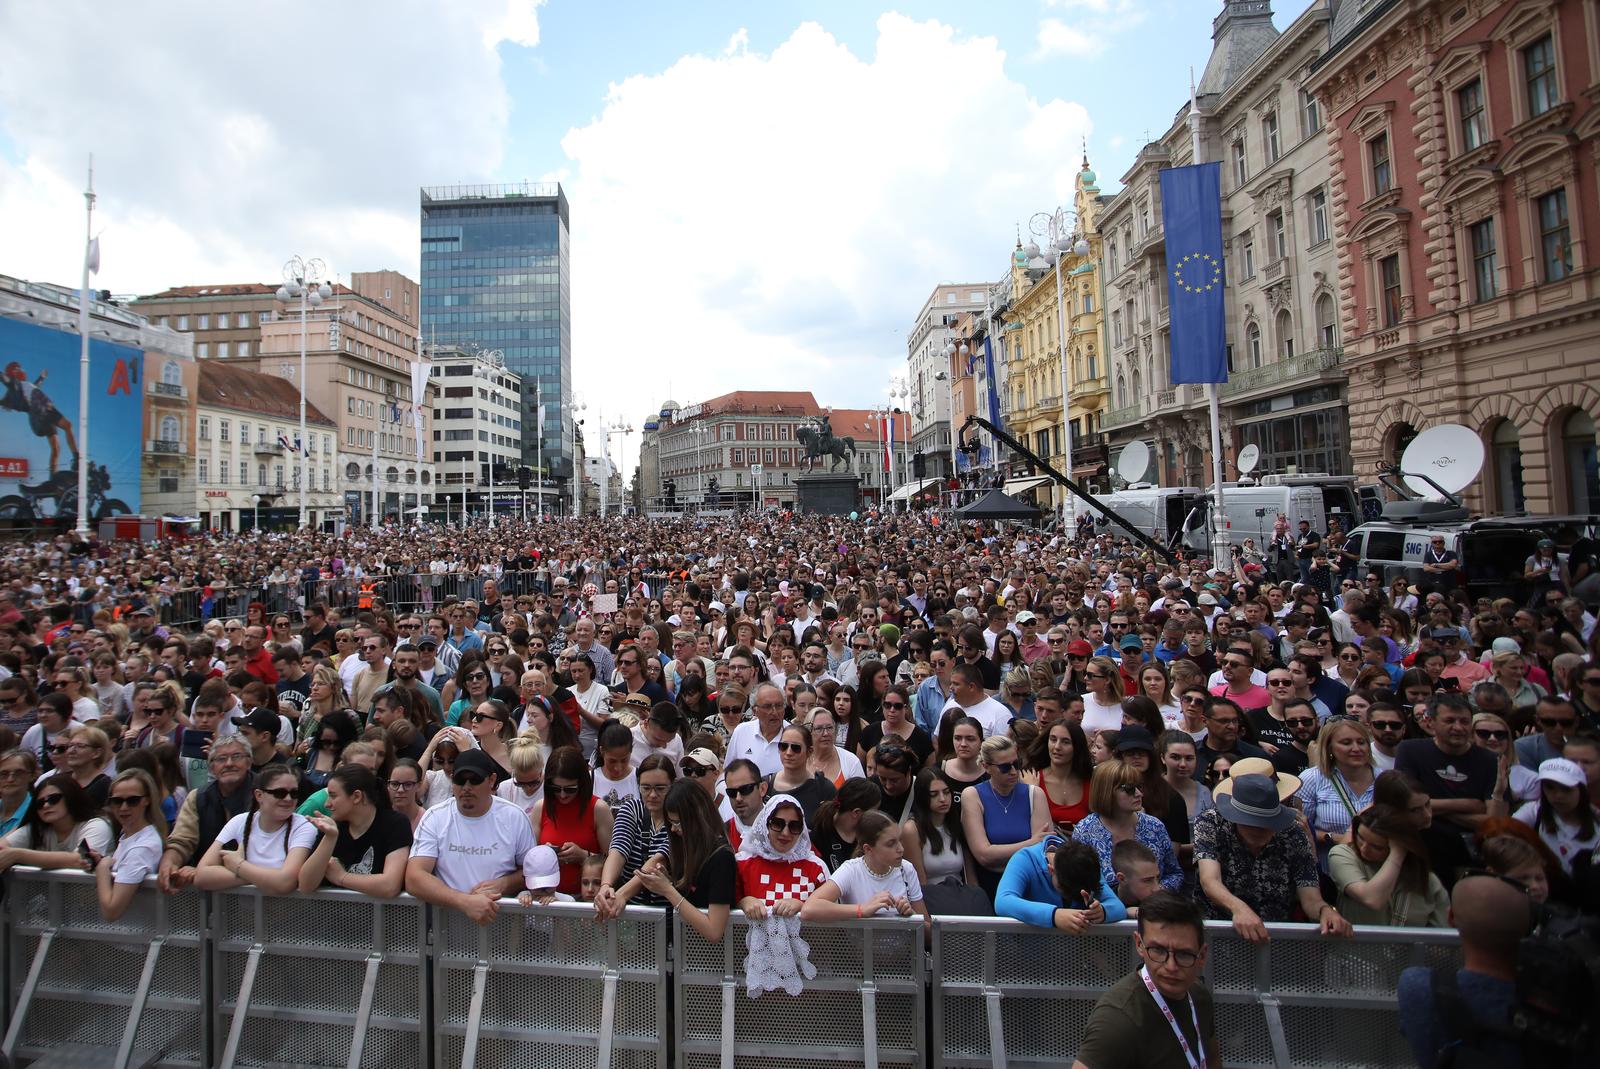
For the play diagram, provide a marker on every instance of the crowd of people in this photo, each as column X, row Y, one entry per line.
column 795, row 717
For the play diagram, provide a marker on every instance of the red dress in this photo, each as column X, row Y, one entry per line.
column 570, row 823
column 1066, row 815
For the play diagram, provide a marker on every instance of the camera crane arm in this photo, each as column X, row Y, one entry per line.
column 1038, row 462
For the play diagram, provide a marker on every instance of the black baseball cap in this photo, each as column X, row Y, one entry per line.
column 260, row 719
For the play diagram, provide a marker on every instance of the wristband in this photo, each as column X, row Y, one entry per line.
column 858, row 910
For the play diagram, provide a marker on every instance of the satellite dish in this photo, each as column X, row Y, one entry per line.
column 1133, row 461
column 1249, row 457
column 1449, row 454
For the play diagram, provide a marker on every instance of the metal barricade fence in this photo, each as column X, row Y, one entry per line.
column 136, row 985
column 871, row 982
column 332, row 978
column 1005, row 994
column 546, row 986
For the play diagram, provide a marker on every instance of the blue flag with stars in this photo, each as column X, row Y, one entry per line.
column 1191, row 208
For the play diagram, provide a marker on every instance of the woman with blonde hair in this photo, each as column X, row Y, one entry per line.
column 1339, row 784
column 141, row 835
column 1001, row 815
column 1516, row 783
column 327, row 695
column 1102, row 705
column 1116, row 814
column 525, row 756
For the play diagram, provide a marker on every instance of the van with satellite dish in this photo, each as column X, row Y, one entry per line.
column 1172, row 515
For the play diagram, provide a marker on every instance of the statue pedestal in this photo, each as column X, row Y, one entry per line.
column 824, row 494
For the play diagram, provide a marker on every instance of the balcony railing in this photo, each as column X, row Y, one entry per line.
column 1166, row 398
column 1090, row 386
column 1046, row 403
column 274, row 448
column 1282, row 371
column 1116, row 417
column 174, row 390
column 167, row 446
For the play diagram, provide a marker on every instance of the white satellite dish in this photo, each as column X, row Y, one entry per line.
column 1449, row 454
column 1249, row 457
column 1133, row 462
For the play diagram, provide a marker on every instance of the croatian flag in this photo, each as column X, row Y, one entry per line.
column 283, row 440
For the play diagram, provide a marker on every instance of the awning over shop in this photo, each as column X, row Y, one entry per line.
column 912, row 489
column 1023, row 485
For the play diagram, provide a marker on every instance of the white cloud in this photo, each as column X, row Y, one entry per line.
column 1088, row 27
column 776, row 220
column 224, row 144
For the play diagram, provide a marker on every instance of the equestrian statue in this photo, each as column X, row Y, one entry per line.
column 819, row 440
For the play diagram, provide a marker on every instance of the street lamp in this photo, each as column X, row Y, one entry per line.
column 755, row 487
column 951, row 351
column 255, row 499
column 899, row 392
column 1052, row 226
column 304, row 279
column 606, row 431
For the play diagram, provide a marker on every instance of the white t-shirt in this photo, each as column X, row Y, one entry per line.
column 642, row 748
column 471, row 850
column 857, row 884
column 267, row 849
column 1566, row 842
column 1097, row 717
column 96, row 831
column 518, row 797
column 613, row 791
column 746, row 741
column 994, row 716
column 85, row 711
column 137, row 856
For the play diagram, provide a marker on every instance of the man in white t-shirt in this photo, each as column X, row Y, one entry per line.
column 968, row 695
column 657, row 733
column 467, row 852
column 757, row 740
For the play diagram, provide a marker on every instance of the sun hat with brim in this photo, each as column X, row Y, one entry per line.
column 1253, row 802
column 1288, row 786
column 1560, row 770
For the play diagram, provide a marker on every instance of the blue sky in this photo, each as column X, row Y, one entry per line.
column 762, row 194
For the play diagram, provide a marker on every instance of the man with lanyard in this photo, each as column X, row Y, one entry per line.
column 1160, row 1017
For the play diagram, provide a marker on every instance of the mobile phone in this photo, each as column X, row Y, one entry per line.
column 194, row 742
column 85, row 853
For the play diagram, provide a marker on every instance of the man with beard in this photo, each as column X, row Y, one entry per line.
column 405, row 673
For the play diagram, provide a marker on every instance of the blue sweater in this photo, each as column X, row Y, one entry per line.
column 1028, row 891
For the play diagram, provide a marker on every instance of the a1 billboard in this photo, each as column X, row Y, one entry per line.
column 39, row 433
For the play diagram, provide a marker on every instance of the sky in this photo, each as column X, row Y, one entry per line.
column 762, row 194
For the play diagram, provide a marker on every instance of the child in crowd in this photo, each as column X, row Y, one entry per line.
column 592, row 877
column 1137, row 871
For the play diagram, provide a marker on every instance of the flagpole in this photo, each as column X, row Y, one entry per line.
column 1218, row 517
column 90, row 253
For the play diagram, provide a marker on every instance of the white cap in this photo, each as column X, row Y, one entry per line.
column 1562, row 771
column 541, row 868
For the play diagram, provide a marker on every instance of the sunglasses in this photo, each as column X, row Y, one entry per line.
column 1387, row 725
column 1489, row 735
column 561, row 790
column 117, row 801
column 468, row 778
column 1004, row 767
column 730, row 709
column 1280, row 682
column 1551, row 722
column 479, row 717
column 1299, row 721
column 791, row 747
column 282, row 794
column 689, row 768
column 778, row 824
column 895, row 705
column 740, row 792
column 48, row 799
column 1129, row 789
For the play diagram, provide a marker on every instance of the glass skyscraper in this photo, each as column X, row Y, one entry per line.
column 496, row 274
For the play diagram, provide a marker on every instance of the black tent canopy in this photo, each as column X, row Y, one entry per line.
column 998, row 505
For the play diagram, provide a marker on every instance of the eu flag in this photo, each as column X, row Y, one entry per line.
column 1191, row 205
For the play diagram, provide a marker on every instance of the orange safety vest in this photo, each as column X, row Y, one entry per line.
column 365, row 600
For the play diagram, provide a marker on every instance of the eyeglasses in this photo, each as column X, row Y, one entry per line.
column 1184, row 959
column 1224, row 722
column 282, row 794
column 653, row 788
column 778, row 824
column 1490, row 735
column 118, row 801
column 402, row 785
column 1129, row 789
column 468, row 778
column 791, row 747
column 561, row 790
column 740, row 792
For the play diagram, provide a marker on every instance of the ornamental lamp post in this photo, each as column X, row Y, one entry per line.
column 304, row 279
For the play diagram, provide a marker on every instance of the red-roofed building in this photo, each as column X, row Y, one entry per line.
column 729, row 437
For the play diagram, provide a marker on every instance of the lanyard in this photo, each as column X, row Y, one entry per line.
column 1161, row 1004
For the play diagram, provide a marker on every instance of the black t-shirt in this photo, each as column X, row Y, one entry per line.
column 1442, row 775
column 833, row 850
column 1270, row 730
column 810, row 794
column 309, row 638
column 991, row 673
column 365, row 856
column 714, row 883
column 918, row 741
column 1291, row 760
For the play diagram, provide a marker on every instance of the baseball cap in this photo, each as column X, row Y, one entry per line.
column 1131, row 642
column 703, row 757
column 1208, row 599
column 1026, row 617
column 1079, row 648
column 260, row 719
column 1135, row 737
column 540, row 866
column 426, row 642
column 717, row 606
column 1562, row 771
column 473, row 761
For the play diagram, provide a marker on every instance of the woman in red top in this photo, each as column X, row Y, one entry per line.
column 777, row 868
column 1062, row 767
column 569, row 817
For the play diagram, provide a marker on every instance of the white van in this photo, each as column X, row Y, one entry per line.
column 1163, row 512
column 1250, row 508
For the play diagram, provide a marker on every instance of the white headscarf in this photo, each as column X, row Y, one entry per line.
column 756, row 843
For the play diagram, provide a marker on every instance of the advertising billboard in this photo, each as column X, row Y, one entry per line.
column 39, row 433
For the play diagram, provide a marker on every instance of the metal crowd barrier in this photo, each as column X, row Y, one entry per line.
column 871, row 982
column 420, row 592
column 548, row 986
column 137, row 985
column 334, row 979
column 331, row 978
column 1006, row 995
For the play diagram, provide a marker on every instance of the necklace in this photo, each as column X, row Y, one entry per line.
column 1005, row 803
column 874, row 873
